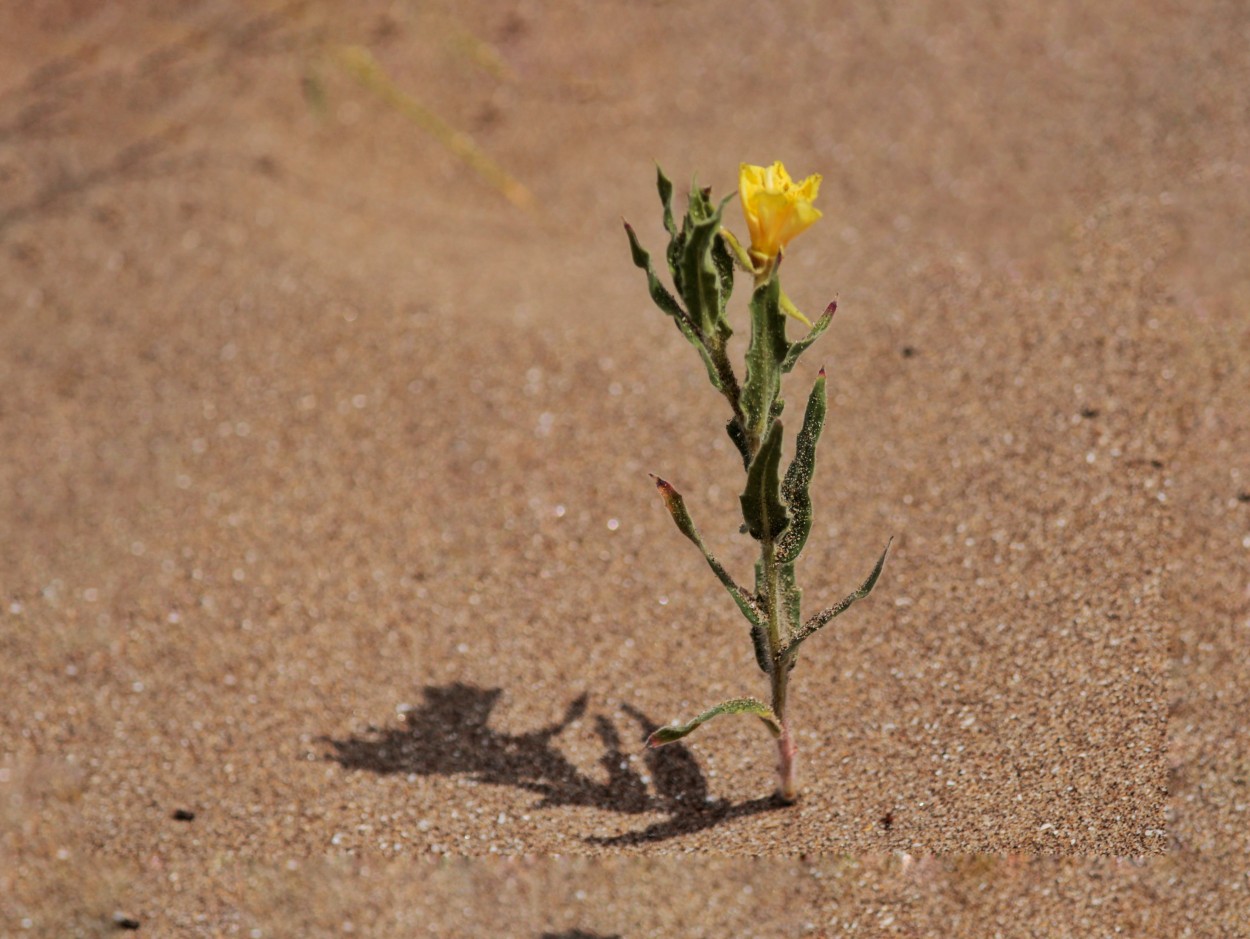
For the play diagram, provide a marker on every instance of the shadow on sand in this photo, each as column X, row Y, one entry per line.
column 450, row 734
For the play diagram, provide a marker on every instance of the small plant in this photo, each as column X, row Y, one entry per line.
column 776, row 509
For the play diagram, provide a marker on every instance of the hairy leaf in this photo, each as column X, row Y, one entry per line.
column 762, row 510
column 676, row 506
column 759, row 639
column 668, row 303
column 765, row 354
column 659, row 293
column 700, row 283
column 724, row 264
column 700, row 278
column 734, row 706
column 791, row 597
column 798, row 348
column 665, row 187
column 824, row 616
column 795, row 488
column 739, row 436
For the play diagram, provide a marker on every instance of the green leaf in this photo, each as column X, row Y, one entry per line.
column 665, row 187
column 759, row 639
column 791, row 596
column 668, row 304
column 699, row 280
column 795, row 488
column 676, row 247
column 735, row 706
column 762, row 510
column 724, row 263
column 713, row 374
column 798, row 348
column 659, row 293
column 699, row 262
column 765, row 354
column 676, row 506
column 824, row 616
column 739, row 436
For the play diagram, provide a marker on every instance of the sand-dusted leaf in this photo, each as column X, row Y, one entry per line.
column 796, row 349
column 676, row 246
column 759, row 639
column 659, row 293
column 699, row 278
column 737, row 433
column 662, row 298
column 713, row 373
column 723, row 260
column 824, row 616
column 795, row 488
column 665, row 187
column 762, row 509
column 676, row 506
column 767, row 350
column 791, row 597
column 734, row 706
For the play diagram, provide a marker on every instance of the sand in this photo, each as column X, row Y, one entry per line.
column 331, row 566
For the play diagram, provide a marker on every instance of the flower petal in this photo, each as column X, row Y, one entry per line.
column 776, row 209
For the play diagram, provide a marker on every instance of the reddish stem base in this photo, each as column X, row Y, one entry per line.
column 787, row 784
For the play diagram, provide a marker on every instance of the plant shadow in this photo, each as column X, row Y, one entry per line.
column 450, row 734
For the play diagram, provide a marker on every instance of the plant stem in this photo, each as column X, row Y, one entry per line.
column 779, row 676
column 729, row 381
column 787, row 783
column 787, row 786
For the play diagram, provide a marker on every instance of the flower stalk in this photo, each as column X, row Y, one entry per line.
column 776, row 509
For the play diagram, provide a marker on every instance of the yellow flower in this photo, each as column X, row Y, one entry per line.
column 776, row 209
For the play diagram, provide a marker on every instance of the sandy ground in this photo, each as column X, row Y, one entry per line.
column 328, row 543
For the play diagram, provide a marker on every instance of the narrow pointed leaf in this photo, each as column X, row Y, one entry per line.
column 676, row 247
column 788, row 308
column 824, row 616
column 724, row 263
column 798, row 348
column 659, row 293
column 713, row 374
column 765, row 354
column 736, row 251
column 762, row 510
column 676, row 506
column 795, row 488
column 665, row 187
column 668, row 304
column 735, row 706
column 699, row 202
column 700, row 280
